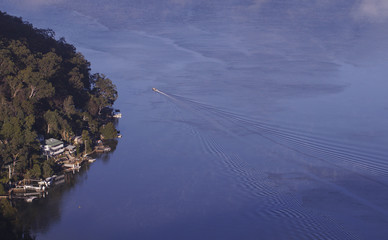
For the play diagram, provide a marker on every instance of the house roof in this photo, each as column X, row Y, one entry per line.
column 53, row 142
column 70, row 147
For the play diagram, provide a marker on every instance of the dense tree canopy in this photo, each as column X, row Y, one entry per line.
column 46, row 88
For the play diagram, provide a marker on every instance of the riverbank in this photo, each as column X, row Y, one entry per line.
column 29, row 189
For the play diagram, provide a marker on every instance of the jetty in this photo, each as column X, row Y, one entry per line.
column 100, row 148
column 31, row 189
column 117, row 115
column 28, row 190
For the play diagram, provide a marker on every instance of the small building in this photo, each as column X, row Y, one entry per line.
column 53, row 147
column 70, row 148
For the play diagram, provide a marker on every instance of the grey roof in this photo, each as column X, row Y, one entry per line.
column 53, row 142
column 70, row 147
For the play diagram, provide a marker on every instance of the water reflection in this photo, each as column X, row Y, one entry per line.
column 46, row 211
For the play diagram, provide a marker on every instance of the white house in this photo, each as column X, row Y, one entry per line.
column 53, row 147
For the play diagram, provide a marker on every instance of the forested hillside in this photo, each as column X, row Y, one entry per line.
column 46, row 89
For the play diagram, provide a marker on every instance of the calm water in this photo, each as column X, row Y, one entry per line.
column 272, row 123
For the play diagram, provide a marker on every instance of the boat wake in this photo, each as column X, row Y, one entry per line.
column 275, row 206
column 331, row 151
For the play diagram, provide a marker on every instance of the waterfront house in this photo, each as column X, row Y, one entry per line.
column 53, row 147
column 70, row 148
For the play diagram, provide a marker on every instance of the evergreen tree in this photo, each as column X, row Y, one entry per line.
column 104, row 90
column 108, row 131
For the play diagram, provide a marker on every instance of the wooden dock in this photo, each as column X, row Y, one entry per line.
column 102, row 149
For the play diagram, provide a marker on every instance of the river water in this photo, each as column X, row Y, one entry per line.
column 271, row 122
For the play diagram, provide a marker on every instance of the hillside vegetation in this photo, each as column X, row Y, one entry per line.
column 46, row 89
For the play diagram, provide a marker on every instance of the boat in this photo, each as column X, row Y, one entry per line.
column 92, row 160
column 34, row 188
column 117, row 115
column 30, row 199
column 154, row 89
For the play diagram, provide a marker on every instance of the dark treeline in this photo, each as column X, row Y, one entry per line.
column 46, row 89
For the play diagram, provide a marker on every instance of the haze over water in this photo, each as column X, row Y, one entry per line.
column 273, row 122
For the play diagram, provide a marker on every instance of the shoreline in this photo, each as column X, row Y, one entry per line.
column 29, row 189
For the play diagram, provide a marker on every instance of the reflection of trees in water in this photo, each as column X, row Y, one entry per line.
column 9, row 223
column 39, row 215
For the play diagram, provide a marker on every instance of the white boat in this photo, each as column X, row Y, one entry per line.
column 30, row 187
column 30, row 199
column 117, row 115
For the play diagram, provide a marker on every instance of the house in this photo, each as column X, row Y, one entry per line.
column 70, row 148
column 53, row 147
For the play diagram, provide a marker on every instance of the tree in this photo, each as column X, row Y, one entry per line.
column 47, row 170
column 22, row 54
column 86, row 140
column 39, row 87
column 56, row 124
column 52, row 119
column 76, row 79
column 18, row 141
column 36, row 171
column 12, row 136
column 94, row 105
column 66, row 131
column 15, row 84
column 93, row 126
column 7, row 66
column 104, row 90
column 48, row 65
column 68, row 106
column 108, row 131
column 82, row 68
